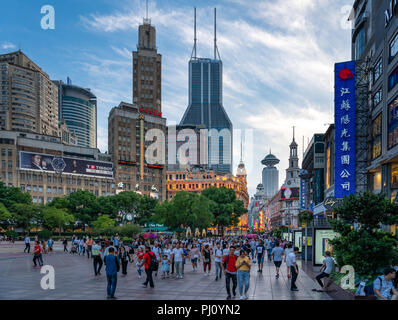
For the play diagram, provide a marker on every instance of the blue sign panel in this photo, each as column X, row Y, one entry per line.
column 303, row 193
column 344, row 119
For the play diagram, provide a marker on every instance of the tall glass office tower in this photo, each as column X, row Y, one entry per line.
column 206, row 108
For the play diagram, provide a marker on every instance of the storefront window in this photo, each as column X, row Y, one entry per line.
column 376, row 137
column 377, row 181
column 394, row 175
column 393, row 123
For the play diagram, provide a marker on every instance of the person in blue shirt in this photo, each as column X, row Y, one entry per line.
column 384, row 285
column 50, row 244
column 112, row 267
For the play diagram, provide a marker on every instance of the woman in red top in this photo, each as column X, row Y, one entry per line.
column 37, row 255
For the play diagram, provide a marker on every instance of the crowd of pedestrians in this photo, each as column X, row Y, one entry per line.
column 231, row 258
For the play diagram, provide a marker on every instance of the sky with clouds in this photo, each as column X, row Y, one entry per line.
column 278, row 58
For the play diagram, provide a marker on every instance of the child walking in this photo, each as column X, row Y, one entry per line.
column 165, row 267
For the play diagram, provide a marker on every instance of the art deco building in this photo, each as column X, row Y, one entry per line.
column 147, row 70
column 270, row 175
column 28, row 98
column 139, row 166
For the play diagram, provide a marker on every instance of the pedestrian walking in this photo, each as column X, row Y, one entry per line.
column 291, row 260
column 277, row 255
column 243, row 265
column 218, row 253
column 139, row 264
column 176, row 255
column 165, row 266
column 112, row 264
column 65, row 243
column 194, row 254
column 89, row 247
column 230, row 271
column 148, row 261
column 260, row 250
column 125, row 258
column 97, row 259
column 27, row 244
column 50, row 244
column 206, row 259
column 288, row 249
column 37, row 256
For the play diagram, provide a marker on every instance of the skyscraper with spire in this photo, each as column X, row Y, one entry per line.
column 205, row 106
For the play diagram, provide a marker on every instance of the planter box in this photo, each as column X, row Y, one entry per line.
column 338, row 293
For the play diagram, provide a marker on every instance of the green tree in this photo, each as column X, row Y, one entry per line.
column 367, row 248
column 103, row 222
column 187, row 209
column 6, row 218
column 83, row 205
column 25, row 215
column 56, row 218
column 146, row 209
column 224, row 206
column 59, row 203
column 12, row 195
column 106, row 205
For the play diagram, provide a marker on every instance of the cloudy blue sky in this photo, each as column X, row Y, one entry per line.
column 278, row 58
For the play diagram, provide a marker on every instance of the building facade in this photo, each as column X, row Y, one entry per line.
column 375, row 39
column 197, row 179
column 78, row 107
column 147, row 70
column 28, row 98
column 290, row 191
column 312, row 175
column 47, row 168
column 136, row 143
column 270, row 175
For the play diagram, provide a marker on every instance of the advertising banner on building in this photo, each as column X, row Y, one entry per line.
column 303, row 191
column 298, row 240
column 322, row 244
column 344, row 113
column 57, row 164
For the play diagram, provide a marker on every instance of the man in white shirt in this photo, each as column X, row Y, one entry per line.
column 27, row 244
column 218, row 253
column 291, row 260
column 176, row 255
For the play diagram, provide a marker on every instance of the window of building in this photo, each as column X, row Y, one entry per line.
column 378, row 70
column 40, row 188
column 10, row 164
column 376, row 137
column 394, row 47
column 394, row 175
column 359, row 43
column 10, row 175
column 393, row 123
column 377, row 97
column 393, row 79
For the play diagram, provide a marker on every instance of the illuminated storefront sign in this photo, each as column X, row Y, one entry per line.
column 344, row 113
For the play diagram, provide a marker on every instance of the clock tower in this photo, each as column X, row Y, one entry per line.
column 291, row 188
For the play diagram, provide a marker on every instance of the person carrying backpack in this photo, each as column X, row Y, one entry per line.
column 384, row 285
column 151, row 264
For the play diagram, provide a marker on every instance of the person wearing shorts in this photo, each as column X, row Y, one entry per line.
column 277, row 255
column 260, row 249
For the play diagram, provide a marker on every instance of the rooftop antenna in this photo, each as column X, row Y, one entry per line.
column 194, row 35
column 146, row 20
column 241, row 150
column 215, row 36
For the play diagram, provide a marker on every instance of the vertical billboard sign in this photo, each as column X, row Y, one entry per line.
column 344, row 113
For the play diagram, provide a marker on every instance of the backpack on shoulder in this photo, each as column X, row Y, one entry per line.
column 369, row 290
column 153, row 264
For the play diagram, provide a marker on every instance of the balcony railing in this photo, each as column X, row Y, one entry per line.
column 320, row 223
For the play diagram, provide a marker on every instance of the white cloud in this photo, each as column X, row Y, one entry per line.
column 278, row 59
column 8, row 46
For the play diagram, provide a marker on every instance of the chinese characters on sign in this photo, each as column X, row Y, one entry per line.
column 344, row 129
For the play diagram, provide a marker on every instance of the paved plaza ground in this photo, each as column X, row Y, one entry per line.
column 74, row 279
